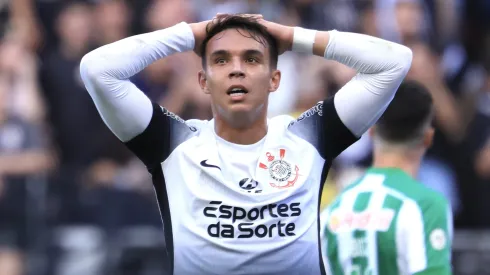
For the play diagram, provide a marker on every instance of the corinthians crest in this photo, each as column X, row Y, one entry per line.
column 281, row 172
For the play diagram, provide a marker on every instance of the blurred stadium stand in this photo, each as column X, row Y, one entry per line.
column 74, row 201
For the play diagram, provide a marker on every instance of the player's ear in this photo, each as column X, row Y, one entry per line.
column 274, row 81
column 428, row 137
column 203, row 82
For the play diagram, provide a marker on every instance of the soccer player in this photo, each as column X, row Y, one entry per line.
column 387, row 222
column 239, row 194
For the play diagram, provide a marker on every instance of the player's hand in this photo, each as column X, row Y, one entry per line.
column 199, row 30
column 283, row 34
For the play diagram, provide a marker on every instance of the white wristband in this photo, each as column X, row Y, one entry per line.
column 303, row 40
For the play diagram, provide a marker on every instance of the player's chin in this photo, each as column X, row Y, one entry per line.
column 240, row 108
column 244, row 106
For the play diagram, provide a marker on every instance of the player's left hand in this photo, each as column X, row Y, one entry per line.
column 283, row 34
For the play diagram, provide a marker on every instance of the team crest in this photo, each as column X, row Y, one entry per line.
column 280, row 170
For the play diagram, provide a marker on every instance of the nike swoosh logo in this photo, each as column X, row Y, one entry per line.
column 203, row 163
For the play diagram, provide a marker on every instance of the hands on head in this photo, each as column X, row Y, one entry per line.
column 283, row 34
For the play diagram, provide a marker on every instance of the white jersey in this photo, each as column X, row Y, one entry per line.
column 252, row 219
column 235, row 209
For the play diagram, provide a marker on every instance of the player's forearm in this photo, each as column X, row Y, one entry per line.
column 381, row 66
column 124, row 58
column 366, row 54
column 124, row 108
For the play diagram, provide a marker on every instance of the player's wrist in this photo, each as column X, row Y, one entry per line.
column 303, row 40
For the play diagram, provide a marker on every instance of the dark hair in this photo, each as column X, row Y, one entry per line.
column 410, row 111
column 252, row 28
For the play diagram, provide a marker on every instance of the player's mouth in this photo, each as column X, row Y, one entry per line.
column 237, row 92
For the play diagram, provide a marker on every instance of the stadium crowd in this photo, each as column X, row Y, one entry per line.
column 73, row 199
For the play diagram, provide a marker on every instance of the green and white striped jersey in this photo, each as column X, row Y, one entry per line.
column 387, row 223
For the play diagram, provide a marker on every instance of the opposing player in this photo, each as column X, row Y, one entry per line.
column 240, row 194
column 388, row 223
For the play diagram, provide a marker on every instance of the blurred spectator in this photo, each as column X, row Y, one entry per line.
column 112, row 19
column 19, row 16
column 69, row 109
column 322, row 15
column 425, row 69
column 173, row 81
column 79, row 132
column 19, row 67
column 476, row 155
column 402, row 20
column 11, row 262
column 175, row 12
column 24, row 155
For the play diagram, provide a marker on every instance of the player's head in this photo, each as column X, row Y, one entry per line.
column 407, row 122
column 239, row 58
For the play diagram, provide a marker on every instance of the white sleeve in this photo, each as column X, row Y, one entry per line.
column 125, row 109
column 381, row 67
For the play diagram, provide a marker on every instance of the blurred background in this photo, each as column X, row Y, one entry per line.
column 73, row 200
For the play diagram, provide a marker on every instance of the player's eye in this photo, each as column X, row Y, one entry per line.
column 252, row 60
column 220, row 61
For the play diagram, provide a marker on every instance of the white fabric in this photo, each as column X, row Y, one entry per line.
column 381, row 67
column 200, row 198
column 105, row 71
column 127, row 111
column 303, row 40
column 243, row 166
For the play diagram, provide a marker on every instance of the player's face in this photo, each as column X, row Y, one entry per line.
column 238, row 76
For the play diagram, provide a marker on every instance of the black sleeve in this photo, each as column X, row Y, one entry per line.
column 152, row 146
column 165, row 132
column 322, row 127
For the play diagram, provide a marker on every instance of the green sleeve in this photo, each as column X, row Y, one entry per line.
column 438, row 236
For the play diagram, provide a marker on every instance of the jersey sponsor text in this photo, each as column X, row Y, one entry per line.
column 367, row 220
column 242, row 220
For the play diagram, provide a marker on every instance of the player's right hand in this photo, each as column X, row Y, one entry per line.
column 199, row 30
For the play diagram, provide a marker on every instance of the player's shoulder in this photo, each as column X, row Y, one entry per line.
column 316, row 109
column 404, row 185
column 194, row 124
column 425, row 199
column 424, row 195
column 278, row 125
column 282, row 121
column 432, row 199
column 198, row 124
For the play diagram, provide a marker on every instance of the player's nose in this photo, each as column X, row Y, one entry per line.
column 237, row 73
column 237, row 70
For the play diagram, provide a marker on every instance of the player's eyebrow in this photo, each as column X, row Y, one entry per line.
column 220, row 53
column 245, row 53
column 253, row 52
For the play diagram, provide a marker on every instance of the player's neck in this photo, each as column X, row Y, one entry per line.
column 408, row 162
column 242, row 135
